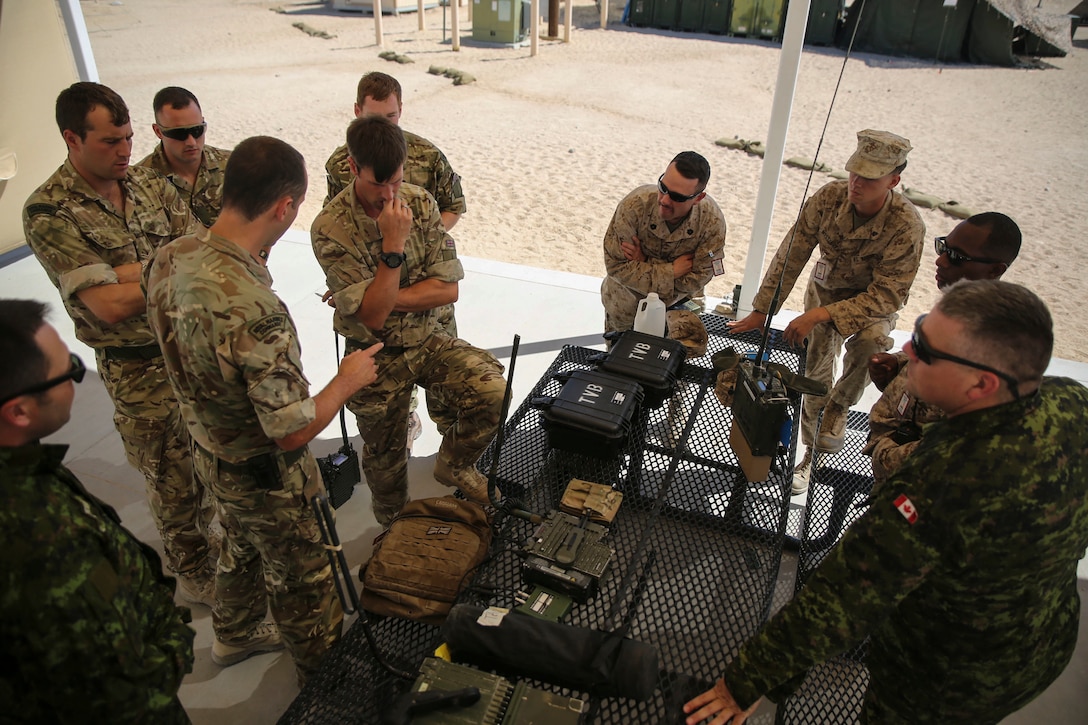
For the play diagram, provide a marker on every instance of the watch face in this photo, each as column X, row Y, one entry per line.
column 392, row 259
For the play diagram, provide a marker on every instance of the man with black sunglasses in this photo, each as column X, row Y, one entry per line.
column 88, row 626
column 94, row 225
column 962, row 574
column 183, row 157
column 981, row 247
column 870, row 240
column 665, row 238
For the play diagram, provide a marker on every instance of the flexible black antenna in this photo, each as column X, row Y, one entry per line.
column 508, row 504
column 766, row 336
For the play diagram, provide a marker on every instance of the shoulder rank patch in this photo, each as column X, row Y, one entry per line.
column 265, row 327
column 906, row 507
column 35, row 209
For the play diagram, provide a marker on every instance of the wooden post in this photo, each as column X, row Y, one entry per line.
column 419, row 9
column 534, row 27
column 455, row 25
column 553, row 19
column 604, row 13
column 568, row 20
column 376, row 8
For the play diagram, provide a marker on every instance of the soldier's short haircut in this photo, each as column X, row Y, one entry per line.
column 262, row 170
column 378, row 86
column 1004, row 239
column 174, row 96
column 79, row 99
column 22, row 362
column 693, row 166
column 377, row 144
column 1006, row 326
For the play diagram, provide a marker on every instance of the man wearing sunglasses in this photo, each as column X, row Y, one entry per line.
column 870, row 241
column 963, row 571
column 88, row 624
column 981, row 247
column 93, row 225
column 182, row 156
column 665, row 238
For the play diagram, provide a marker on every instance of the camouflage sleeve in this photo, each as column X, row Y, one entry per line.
column 879, row 561
column 70, row 261
column 266, row 351
column 653, row 275
column 884, row 420
column 441, row 260
column 805, row 236
column 892, row 280
column 349, row 270
column 448, row 192
column 182, row 219
column 337, row 174
column 711, row 232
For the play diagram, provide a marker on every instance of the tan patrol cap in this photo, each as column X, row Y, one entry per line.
column 879, row 154
column 686, row 327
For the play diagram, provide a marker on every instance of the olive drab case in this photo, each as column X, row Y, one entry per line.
column 653, row 362
column 593, row 413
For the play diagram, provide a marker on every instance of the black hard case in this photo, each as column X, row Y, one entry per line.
column 592, row 414
column 653, row 362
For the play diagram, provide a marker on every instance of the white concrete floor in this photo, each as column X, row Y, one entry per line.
column 548, row 309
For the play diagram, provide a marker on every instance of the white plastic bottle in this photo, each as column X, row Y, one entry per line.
column 650, row 316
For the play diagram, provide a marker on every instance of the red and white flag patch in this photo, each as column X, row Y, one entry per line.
column 906, row 507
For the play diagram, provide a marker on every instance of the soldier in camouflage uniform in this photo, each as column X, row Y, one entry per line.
column 389, row 263
column 379, row 94
column 666, row 239
column 193, row 167
column 93, row 225
column 963, row 573
column 233, row 357
column 870, row 240
column 981, row 247
column 88, row 626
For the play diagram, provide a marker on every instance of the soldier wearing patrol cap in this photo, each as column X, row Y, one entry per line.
column 870, row 241
column 666, row 239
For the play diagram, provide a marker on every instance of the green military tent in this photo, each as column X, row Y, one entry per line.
column 992, row 32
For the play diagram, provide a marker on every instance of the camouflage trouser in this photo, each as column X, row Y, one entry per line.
column 443, row 415
column 272, row 556
column 824, row 344
column 467, row 379
column 156, row 442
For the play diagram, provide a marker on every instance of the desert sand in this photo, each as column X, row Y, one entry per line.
column 547, row 145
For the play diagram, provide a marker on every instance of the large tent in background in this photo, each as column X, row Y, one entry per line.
column 992, row 32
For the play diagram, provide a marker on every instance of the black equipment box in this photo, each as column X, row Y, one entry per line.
column 651, row 361
column 760, row 408
column 593, row 413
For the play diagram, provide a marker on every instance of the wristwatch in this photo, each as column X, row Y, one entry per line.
column 392, row 259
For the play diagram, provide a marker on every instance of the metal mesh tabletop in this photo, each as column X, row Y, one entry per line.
column 697, row 547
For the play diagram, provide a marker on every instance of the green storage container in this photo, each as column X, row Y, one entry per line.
column 691, row 15
column 641, row 13
column 823, row 21
column 666, row 14
column 716, row 14
column 500, row 21
column 758, row 18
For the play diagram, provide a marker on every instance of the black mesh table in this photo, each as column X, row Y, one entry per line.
column 697, row 548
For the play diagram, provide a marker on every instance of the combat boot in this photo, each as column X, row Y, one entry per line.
column 832, row 435
column 265, row 638
column 468, row 480
column 801, row 474
column 198, row 586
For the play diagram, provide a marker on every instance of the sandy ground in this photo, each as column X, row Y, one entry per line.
column 548, row 145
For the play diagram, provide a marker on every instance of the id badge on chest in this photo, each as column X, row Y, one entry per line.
column 820, row 272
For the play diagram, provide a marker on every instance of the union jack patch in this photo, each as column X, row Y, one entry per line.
column 906, row 507
column 449, row 243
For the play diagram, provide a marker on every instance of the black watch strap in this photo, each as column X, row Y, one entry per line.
column 392, row 259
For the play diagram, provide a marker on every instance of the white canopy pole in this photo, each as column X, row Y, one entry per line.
column 789, row 61
column 79, row 40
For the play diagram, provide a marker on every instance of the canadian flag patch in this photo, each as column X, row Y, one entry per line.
column 906, row 507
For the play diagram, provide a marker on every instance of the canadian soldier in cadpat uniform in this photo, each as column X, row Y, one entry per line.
column 389, row 264
column 870, row 243
column 88, row 626
column 93, row 225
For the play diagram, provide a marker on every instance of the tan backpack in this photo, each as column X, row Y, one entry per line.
column 425, row 558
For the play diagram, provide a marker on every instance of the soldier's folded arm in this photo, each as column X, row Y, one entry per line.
column 113, row 303
column 426, row 295
column 380, row 298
